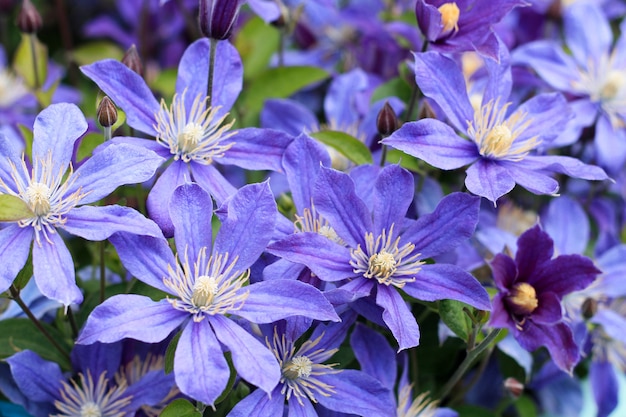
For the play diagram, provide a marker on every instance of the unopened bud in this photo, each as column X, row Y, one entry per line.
column 387, row 121
column 217, row 18
column 514, row 387
column 132, row 60
column 589, row 308
column 426, row 111
column 29, row 19
column 107, row 112
column 303, row 36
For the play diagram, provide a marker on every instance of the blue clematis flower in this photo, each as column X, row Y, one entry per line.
column 530, row 290
column 103, row 383
column 308, row 384
column 190, row 135
column 56, row 196
column 384, row 252
column 503, row 137
column 206, row 288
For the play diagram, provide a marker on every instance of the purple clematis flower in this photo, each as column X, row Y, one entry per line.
column 53, row 192
column 383, row 252
column 105, row 383
column 191, row 136
column 530, row 290
column 205, row 289
column 593, row 73
column 462, row 25
column 309, row 385
column 503, row 138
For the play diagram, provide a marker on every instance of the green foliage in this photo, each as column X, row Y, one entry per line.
column 180, row 408
column 95, row 51
column 275, row 83
column 20, row 334
column 28, row 51
column 396, row 87
column 256, row 44
column 169, row 353
column 525, row 406
column 347, row 145
column 454, row 316
column 13, row 208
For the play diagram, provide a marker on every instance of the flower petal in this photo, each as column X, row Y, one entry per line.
column 563, row 275
column 99, row 223
column 212, row 181
column 393, row 194
column 260, row 404
column 549, row 309
column 256, row 148
column 558, row 339
column 605, row 386
column 159, row 198
column 190, row 211
column 375, row 355
column 14, row 249
column 398, row 317
column 131, row 316
column 39, row 380
column 489, row 179
column 504, row 271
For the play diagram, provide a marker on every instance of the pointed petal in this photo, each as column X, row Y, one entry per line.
column 375, row 355
column 249, row 225
column 190, row 210
column 440, row 281
column 256, row 148
column 500, row 78
column 116, row 165
column 289, row 116
column 504, row 271
column 145, row 257
column 568, row 166
column 128, row 90
column 357, row 393
column 434, row 142
column 53, row 269
column 549, row 61
column 301, row 163
column 547, row 113
column 99, row 223
column 536, row 182
column 563, row 275
column 453, row 221
column 605, row 386
column 558, row 339
column 254, row 361
column 549, row 309
column 274, row 300
column 327, row 259
column 56, row 129
column 14, row 249
column 534, row 248
column 567, row 224
column 212, row 181
column 161, row 193
column 193, row 73
column 131, row 316
column 260, row 404
column 301, row 410
column 398, row 317
column 38, row 379
column 335, row 198
column 488, row 179
column 393, row 194
column 584, row 45
column 199, row 365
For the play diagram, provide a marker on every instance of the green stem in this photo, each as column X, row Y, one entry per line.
column 107, row 133
column 72, row 320
column 209, row 87
column 383, row 156
column 103, row 280
column 467, row 362
column 15, row 294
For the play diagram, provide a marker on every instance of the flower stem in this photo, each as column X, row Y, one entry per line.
column 467, row 362
column 103, row 280
column 15, row 294
column 209, row 87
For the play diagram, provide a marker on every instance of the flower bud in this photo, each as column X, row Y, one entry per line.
column 132, row 60
column 217, row 17
column 589, row 308
column 387, row 122
column 29, row 19
column 514, row 387
column 107, row 112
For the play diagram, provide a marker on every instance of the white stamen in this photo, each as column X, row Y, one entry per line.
column 91, row 399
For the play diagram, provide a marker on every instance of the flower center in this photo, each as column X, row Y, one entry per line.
column 496, row 135
column 311, row 221
column 613, row 84
column 210, row 285
column 298, row 367
column 449, row 17
column 90, row 409
column 92, row 399
column 204, row 290
column 38, row 196
column 193, row 134
column 385, row 261
column 522, row 299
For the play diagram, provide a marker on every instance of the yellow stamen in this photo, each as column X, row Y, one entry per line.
column 522, row 299
column 450, row 13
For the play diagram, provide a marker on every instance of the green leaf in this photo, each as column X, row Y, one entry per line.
column 256, row 42
column 180, row 408
column 25, row 274
column 29, row 50
column 95, row 51
column 165, row 82
column 525, row 406
column 169, row 353
column 87, row 144
column 231, row 378
column 347, row 145
column 473, row 411
column 45, row 97
column 407, row 161
column 455, row 318
column 275, row 83
column 13, row 208
column 17, row 335
column 396, row 87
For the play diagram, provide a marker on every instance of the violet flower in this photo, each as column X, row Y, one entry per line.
column 530, row 290
column 462, row 25
column 384, row 252
column 53, row 192
column 309, row 385
column 503, row 138
column 191, row 136
column 206, row 288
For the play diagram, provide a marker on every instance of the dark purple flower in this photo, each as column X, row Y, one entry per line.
column 217, row 17
column 530, row 290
